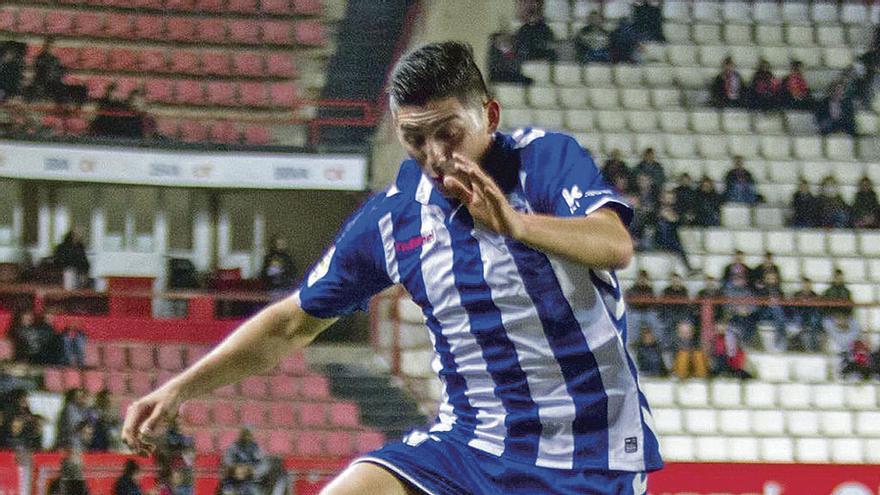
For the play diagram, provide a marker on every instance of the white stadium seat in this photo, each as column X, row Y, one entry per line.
column 848, row 173
column 770, row 368
column 775, row 147
column 839, row 148
column 665, row 98
column 542, row 97
column 874, row 274
column 557, row 10
column 678, row 10
column 824, row 12
column 853, row 13
column 692, row 77
column 707, row 122
column 743, row 449
column 802, row 123
column 657, row 76
column 747, row 241
column 807, row 148
column 706, row 34
column 693, row 394
column 726, row 393
column 778, row 56
column 810, row 56
column 866, row 123
column 869, row 148
column 677, row 448
column 604, row 98
column 796, row 13
column 735, row 121
column 737, row 11
column 514, row 118
column 854, row 269
column 784, row 172
column 809, row 368
column 766, row 35
column 736, row 216
column 837, row 58
column 799, row 35
column 765, row 124
column 868, row 424
column 706, row 11
column 829, row 395
column 766, row 13
column 691, row 239
column 616, row 9
column 549, row 118
column 620, row 141
column 863, row 293
column 815, row 172
column 768, row 422
column 635, row 99
column 811, row 242
column 640, row 121
column 539, row 71
column 745, row 145
column 676, row 33
column 738, row 34
column 789, row 268
column 793, row 395
column 668, row 421
column 718, row 241
column 818, row 269
column 598, row 75
column 568, row 75
column 610, row 120
column 627, row 75
column 735, row 421
column 573, row 98
column 701, row 421
column 712, row 146
column 769, row 216
column 660, row 393
column 777, row 449
column 681, row 146
column 802, row 423
column 656, row 141
column 559, row 29
column 847, row 450
column 830, row 36
column 872, row 450
column 711, row 449
column 812, row 450
column 683, row 55
column 579, row 120
column 511, row 95
column 837, row 423
column 861, row 397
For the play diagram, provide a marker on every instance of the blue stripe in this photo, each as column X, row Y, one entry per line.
column 570, row 348
column 409, row 264
column 511, row 387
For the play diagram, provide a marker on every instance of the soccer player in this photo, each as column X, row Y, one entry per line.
column 509, row 244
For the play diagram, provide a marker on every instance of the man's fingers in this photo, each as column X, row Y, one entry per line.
column 134, row 416
column 149, row 425
column 457, row 189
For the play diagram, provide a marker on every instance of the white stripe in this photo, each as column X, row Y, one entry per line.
column 445, row 413
column 556, row 408
column 396, row 470
column 423, row 191
column 393, row 190
column 606, row 345
column 602, row 202
column 523, row 140
column 444, row 298
column 387, row 230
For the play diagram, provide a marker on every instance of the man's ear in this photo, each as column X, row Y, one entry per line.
column 493, row 115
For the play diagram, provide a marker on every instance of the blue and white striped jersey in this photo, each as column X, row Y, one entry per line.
column 529, row 348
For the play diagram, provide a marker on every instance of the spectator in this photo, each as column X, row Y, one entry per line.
column 690, row 361
column 736, row 267
column 238, row 481
column 127, row 483
column 764, row 90
column 756, row 275
column 833, row 212
column 862, row 75
column 245, row 452
column 739, row 184
column 649, row 165
column 107, row 427
column 727, row 87
column 836, row 112
column 641, row 314
column 74, row 411
column 808, row 319
column 625, row 42
column 646, row 203
column 768, row 287
column 11, row 71
column 866, row 208
column 708, row 211
column 671, row 314
column 711, row 289
column 70, row 256
column 686, row 199
column 503, row 63
column 648, row 19
column 858, row 361
column 174, row 449
column 278, row 272
column 666, row 235
column 795, row 90
column 728, row 356
column 30, row 341
column 649, row 354
column 616, row 168
column 73, row 339
column 84, row 437
column 48, row 79
column 534, row 39
column 839, row 292
column 71, row 480
column 742, row 314
column 842, row 332
column 592, row 41
column 804, row 206
column 181, row 484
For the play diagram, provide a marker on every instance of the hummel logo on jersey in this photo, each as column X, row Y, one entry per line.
column 572, row 197
column 414, row 243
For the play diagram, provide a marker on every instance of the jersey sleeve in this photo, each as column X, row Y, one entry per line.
column 564, row 181
column 351, row 271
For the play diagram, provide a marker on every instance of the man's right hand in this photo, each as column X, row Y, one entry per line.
column 144, row 417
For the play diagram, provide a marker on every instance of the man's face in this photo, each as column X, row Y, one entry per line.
column 433, row 132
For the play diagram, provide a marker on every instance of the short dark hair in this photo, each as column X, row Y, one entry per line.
column 434, row 71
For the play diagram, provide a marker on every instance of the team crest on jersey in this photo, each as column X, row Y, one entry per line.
column 573, row 197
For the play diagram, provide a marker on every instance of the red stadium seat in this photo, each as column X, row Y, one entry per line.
column 211, row 30
column 224, row 413
column 5, row 350
column 280, row 443
column 226, row 391
column 246, row 32
column 94, row 381
column 338, row 443
column 153, row 60
column 158, row 90
column 116, row 383
column 344, row 414
column 96, row 86
column 315, row 387
column 93, row 355
column 255, row 387
column 67, row 55
column 125, row 85
column 312, row 414
column 146, row 4
column 141, row 383
column 294, row 364
column 163, row 377
column 75, row 126
column 242, row 6
column 193, row 131
column 184, row 62
column 169, row 128
column 8, row 18
column 310, row 33
column 195, row 413
column 190, row 92
column 253, row 413
column 276, row 32
column 89, row 24
column 310, row 443
column 120, row 26
column 283, row 387
column 369, row 440
column 221, row 93
column 283, row 95
column 307, row 7
column 53, row 380
column 149, row 27
column 257, row 135
column 252, row 94
column 281, row 7
column 225, row 438
column 170, row 357
column 93, row 58
column 58, row 22
column 114, row 357
column 210, row 5
column 180, row 5
column 280, row 65
column 141, row 358
column 223, row 132
column 248, row 64
column 55, row 123
column 195, row 352
column 122, row 59
column 72, row 378
column 204, row 441
column 215, row 63
column 282, row 414
column 31, row 21
column 181, row 29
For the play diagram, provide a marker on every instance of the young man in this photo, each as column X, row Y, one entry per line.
column 508, row 243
